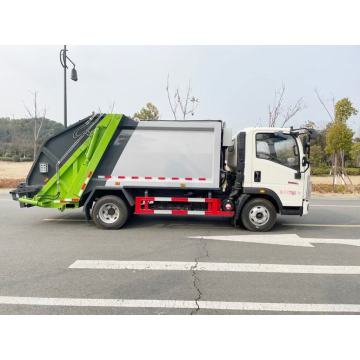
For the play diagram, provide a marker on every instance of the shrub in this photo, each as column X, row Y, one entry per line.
column 353, row 171
column 326, row 171
column 328, row 188
column 321, row 171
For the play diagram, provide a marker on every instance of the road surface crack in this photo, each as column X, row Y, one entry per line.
column 196, row 280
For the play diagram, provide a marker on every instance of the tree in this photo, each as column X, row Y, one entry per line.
column 344, row 110
column 38, row 123
column 355, row 153
column 277, row 115
column 148, row 112
column 309, row 125
column 339, row 137
column 187, row 105
column 316, row 155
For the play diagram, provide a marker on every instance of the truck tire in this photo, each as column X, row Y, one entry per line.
column 110, row 212
column 258, row 215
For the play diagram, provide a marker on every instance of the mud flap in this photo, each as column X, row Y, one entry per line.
column 240, row 202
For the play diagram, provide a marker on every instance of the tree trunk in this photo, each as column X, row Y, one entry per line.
column 334, row 169
column 342, row 158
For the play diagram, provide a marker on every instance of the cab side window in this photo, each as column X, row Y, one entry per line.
column 278, row 148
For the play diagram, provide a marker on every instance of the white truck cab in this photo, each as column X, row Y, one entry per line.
column 277, row 165
column 275, row 168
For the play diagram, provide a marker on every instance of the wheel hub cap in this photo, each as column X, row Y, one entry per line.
column 259, row 215
column 109, row 213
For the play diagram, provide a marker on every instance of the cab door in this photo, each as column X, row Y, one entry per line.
column 276, row 161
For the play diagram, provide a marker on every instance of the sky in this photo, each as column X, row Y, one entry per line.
column 233, row 83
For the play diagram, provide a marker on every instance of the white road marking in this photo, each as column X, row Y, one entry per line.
column 211, row 266
column 280, row 239
column 180, row 304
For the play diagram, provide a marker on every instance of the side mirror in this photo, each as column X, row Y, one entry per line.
column 312, row 134
column 306, row 145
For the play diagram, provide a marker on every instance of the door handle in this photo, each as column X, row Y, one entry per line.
column 257, row 176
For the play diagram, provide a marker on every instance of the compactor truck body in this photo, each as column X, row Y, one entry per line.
column 114, row 167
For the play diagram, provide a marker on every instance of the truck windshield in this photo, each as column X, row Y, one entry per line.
column 279, row 148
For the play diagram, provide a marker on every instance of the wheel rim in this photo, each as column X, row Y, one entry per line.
column 259, row 215
column 109, row 213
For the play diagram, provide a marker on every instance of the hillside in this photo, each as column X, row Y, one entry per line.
column 17, row 137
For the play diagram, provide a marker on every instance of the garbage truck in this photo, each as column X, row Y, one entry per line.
column 115, row 167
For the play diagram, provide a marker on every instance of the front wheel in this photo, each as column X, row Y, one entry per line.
column 110, row 212
column 258, row 215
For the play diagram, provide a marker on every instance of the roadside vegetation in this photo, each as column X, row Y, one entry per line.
column 18, row 141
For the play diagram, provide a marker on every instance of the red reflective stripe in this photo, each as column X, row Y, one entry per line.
column 151, row 177
column 75, row 199
column 144, row 211
column 179, row 199
column 179, row 212
column 214, row 207
column 83, row 186
column 90, row 174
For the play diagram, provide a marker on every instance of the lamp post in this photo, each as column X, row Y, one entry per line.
column 74, row 77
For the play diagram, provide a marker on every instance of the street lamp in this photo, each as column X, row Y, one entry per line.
column 74, row 77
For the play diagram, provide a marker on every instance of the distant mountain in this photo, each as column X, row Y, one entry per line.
column 17, row 137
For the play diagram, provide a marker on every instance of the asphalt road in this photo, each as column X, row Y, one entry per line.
column 158, row 267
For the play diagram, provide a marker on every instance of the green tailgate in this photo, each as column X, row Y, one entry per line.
column 68, row 185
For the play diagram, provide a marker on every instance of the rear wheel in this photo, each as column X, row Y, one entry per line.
column 110, row 212
column 258, row 215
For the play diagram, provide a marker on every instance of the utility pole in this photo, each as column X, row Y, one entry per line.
column 65, row 88
column 74, row 77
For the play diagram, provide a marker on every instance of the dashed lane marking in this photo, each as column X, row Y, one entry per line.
column 180, row 304
column 213, row 266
